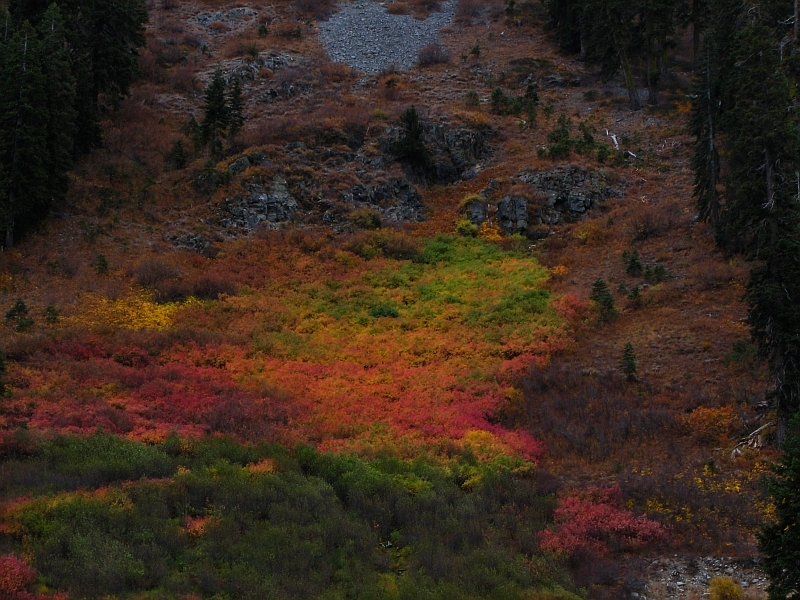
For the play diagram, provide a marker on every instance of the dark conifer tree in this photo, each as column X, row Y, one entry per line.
column 628, row 362
column 103, row 37
column 780, row 541
column 704, row 125
column 610, row 33
column 565, row 19
column 761, row 140
column 23, row 133
column 60, row 98
column 217, row 114
column 236, row 108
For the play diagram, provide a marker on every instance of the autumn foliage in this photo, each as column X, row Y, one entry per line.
column 16, row 576
column 594, row 519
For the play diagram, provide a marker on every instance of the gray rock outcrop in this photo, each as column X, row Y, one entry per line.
column 565, row 194
column 275, row 205
column 455, row 152
column 396, row 201
column 512, row 214
column 476, row 211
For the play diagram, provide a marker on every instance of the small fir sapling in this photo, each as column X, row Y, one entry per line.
column 628, row 363
column 603, row 300
column 633, row 265
column 3, row 373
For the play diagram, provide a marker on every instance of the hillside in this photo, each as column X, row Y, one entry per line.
column 210, row 324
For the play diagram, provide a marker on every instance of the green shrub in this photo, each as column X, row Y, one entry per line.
column 604, row 152
column 306, row 525
column 656, row 274
column 561, row 144
column 502, row 104
column 743, row 352
column 383, row 310
column 366, row 218
column 409, row 146
column 18, row 316
column 466, row 228
column 178, row 157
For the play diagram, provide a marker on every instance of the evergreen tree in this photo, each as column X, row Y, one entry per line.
column 745, row 127
column 704, row 126
column 236, row 108
column 3, row 373
column 695, row 13
column 103, row 38
column 603, row 301
column 217, row 114
column 610, row 33
column 762, row 141
column 410, row 147
column 779, row 541
column 60, row 89
column 773, row 296
column 628, row 362
column 565, row 19
column 23, row 133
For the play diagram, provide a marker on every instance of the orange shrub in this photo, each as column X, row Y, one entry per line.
column 713, row 425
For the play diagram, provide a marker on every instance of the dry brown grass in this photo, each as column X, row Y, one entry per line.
column 398, row 8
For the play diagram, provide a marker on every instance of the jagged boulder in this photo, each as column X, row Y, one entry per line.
column 273, row 205
column 512, row 214
column 455, row 153
column 476, row 210
column 565, row 194
column 396, row 200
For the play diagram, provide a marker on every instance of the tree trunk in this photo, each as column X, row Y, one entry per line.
column 696, row 32
column 713, row 204
column 627, row 71
column 652, row 81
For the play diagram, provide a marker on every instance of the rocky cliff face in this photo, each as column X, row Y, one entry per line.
column 272, row 204
column 561, row 195
column 456, row 152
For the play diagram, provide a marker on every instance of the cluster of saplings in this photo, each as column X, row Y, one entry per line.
column 216, row 518
column 61, row 65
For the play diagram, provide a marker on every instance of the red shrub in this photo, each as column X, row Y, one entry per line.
column 594, row 520
column 15, row 576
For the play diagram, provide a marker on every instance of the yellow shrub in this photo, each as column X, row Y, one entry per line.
column 136, row 311
column 490, row 232
column 724, row 588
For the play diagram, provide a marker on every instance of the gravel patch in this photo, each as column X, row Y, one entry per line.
column 367, row 38
column 685, row 577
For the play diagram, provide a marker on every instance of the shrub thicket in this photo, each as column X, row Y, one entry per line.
column 214, row 517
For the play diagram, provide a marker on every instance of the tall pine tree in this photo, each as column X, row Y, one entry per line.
column 217, row 116
column 779, row 541
column 23, row 132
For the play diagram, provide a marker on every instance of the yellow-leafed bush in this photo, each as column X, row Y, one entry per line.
column 724, row 588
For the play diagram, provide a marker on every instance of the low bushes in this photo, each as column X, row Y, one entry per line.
column 252, row 521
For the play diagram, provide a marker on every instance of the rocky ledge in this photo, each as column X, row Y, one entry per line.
column 561, row 195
